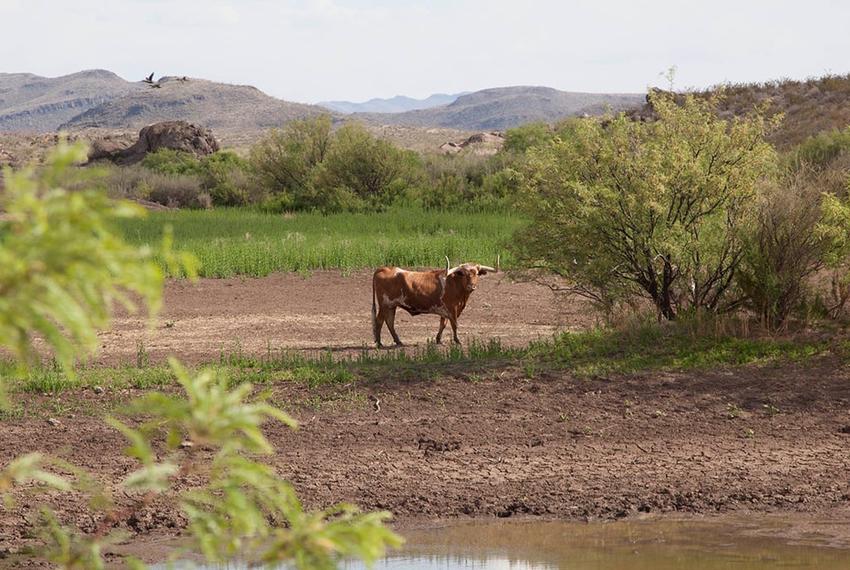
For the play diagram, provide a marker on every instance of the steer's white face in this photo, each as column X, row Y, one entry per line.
column 468, row 276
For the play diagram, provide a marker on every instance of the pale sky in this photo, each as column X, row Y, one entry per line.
column 312, row 50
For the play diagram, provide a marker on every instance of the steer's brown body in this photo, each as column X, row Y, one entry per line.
column 442, row 292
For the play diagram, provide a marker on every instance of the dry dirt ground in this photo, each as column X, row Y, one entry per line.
column 465, row 445
column 503, row 445
column 323, row 311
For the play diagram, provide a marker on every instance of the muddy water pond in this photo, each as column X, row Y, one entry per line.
column 636, row 545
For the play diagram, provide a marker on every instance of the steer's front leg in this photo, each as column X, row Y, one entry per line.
column 440, row 332
column 453, row 320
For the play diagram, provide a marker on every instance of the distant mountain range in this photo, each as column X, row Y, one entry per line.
column 101, row 99
column 397, row 104
column 40, row 104
column 505, row 107
column 218, row 106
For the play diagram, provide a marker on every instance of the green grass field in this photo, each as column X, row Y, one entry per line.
column 231, row 242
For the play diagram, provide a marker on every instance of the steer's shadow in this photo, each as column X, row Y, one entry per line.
column 336, row 348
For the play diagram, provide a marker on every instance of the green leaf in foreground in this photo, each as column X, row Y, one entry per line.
column 62, row 268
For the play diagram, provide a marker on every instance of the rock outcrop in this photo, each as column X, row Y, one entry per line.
column 480, row 143
column 174, row 135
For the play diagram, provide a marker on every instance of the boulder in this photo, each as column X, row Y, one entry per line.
column 484, row 138
column 483, row 144
column 451, row 147
column 174, row 135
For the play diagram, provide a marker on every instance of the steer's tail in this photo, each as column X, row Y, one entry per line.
column 376, row 331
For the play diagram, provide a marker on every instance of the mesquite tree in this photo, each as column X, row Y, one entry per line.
column 627, row 208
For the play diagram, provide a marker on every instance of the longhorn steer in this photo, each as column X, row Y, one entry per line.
column 442, row 292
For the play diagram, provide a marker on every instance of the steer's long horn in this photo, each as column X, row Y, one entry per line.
column 488, row 269
column 452, row 270
column 498, row 259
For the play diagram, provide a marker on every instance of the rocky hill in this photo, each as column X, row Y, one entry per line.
column 100, row 99
column 505, row 107
column 218, row 106
column 41, row 104
column 808, row 107
column 397, row 104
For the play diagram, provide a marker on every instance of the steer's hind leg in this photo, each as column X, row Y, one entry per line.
column 440, row 332
column 377, row 325
column 390, row 318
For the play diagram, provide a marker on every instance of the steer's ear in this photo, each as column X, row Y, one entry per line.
column 481, row 270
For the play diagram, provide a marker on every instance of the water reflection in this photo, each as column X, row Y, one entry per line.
column 451, row 562
column 638, row 545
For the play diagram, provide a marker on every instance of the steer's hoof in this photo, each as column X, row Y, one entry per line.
column 399, row 344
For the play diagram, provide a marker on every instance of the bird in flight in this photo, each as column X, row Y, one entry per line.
column 148, row 79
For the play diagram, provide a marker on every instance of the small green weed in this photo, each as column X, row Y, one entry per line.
column 732, row 411
column 143, row 359
column 596, row 353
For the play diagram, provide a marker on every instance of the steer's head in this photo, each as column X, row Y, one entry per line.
column 466, row 275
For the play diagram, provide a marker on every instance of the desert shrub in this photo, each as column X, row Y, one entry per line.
column 469, row 168
column 168, row 161
column 276, row 204
column 446, row 192
column 522, row 138
column 469, row 181
column 497, row 189
column 284, row 161
column 821, row 150
column 567, row 128
column 834, row 177
column 797, row 230
column 126, row 182
column 232, row 188
column 655, row 209
column 224, row 178
column 306, row 166
column 360, row 165
column 228, row 179
column 174, row 191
